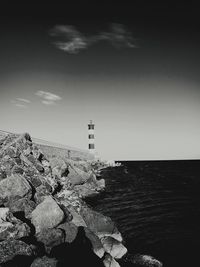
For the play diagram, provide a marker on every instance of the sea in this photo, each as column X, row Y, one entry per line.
column 156, row 207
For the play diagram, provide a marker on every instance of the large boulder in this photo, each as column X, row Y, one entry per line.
column 11, row 248
column 90, row 188
column 99, row 224
column 47, row 215
column 44, row 262
column 115, row 248
column 11, row 227
column 77, row 176
column 14, row 187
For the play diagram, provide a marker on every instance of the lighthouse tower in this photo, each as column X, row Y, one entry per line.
column 91, row 145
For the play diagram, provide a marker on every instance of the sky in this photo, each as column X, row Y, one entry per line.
column 133, row 70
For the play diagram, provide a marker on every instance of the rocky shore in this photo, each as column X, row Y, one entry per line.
column 44, row 220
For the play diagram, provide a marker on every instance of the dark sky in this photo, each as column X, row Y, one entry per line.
column 147, row 97
column 163, row 30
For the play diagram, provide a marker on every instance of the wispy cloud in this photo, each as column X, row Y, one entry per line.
column 20, row 102
column 23, row 100
column 48, row 98
column 72, row 40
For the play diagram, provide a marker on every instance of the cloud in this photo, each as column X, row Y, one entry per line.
column 47, row 97
column 118, row 36
column 20, row 102
column 72, row 40
column 23, row 100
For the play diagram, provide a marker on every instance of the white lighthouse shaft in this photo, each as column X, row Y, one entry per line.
column 91, row 139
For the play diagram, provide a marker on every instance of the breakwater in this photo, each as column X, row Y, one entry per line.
column 44, row 220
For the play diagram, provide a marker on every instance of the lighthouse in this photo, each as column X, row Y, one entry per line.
column 91, row 145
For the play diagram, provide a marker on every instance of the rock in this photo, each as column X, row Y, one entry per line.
column 44, row 262
column 146, row 261
column 28, row 151
column 46, row 166
column 16, row 143
column 45, row 163
column 83, row 165
column 64, row 170
column 59, row 169
column 51, row 238
column 3, row 174
column 77, row 218
column 115, row 248
column 30, row 172
column 51, row 181
column 99, row 224
column 11, row 227
column 70, row 230
column 85, row 191
column 90, row 188
column 47, row 215
column 36, row 180
column 96, row 243
column 7, row 139
column 11, row 152
column 18, row 160
column 56, row 173
column 14, row 187
column 30, row 157
column 11, row 248
column 101, row 184
column 110, row 262
column 17, row 170
column 22, row 205
column 76, row 176
column 7, row 164
column 41, row 192
column 31, row 162
column 92, row 182
column 37, row 152
column 68, row 215
column 36, row 163
column 3, row 214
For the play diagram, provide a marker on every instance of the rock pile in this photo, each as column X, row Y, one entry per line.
column 44, row 220
column 43, row 216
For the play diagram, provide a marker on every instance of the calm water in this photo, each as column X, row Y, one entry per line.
column 156, row 205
